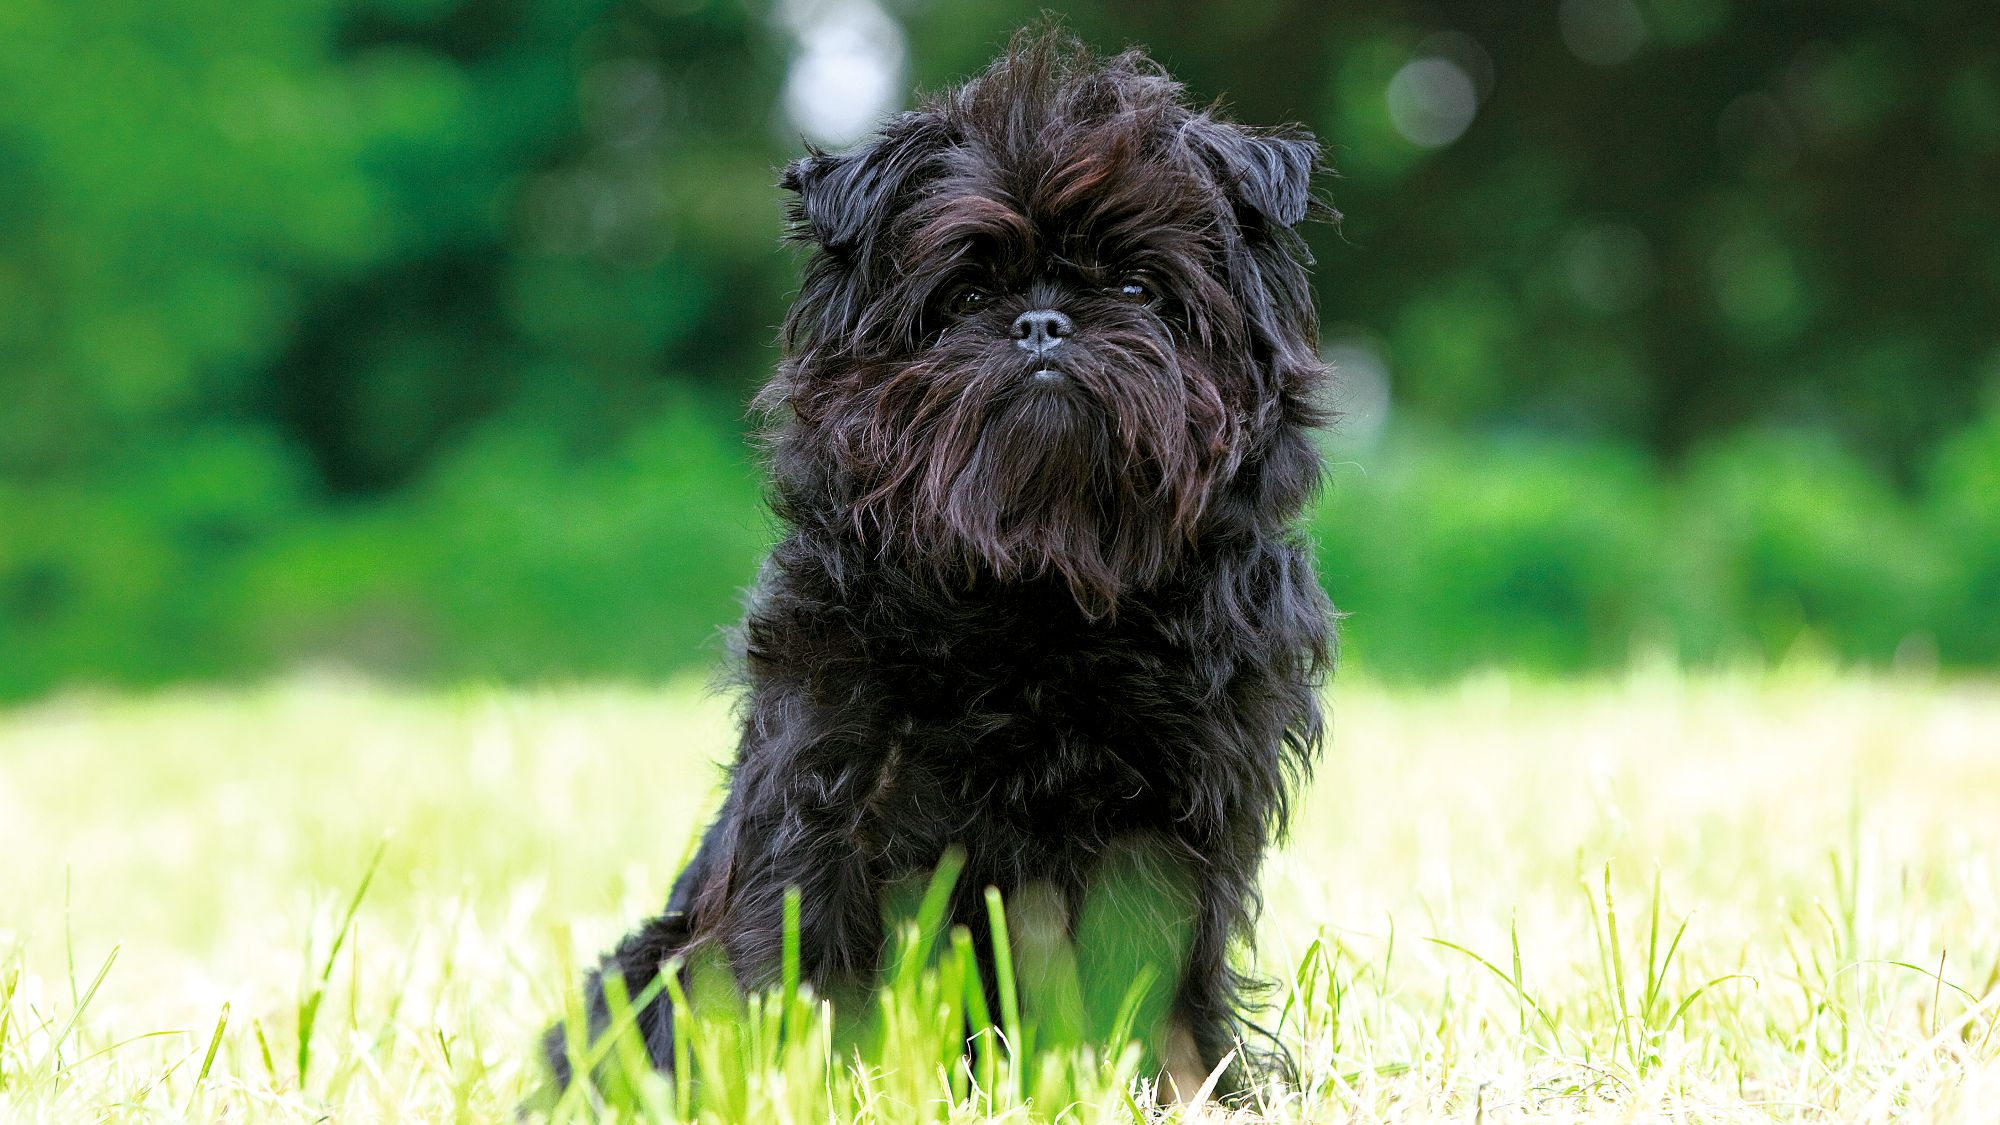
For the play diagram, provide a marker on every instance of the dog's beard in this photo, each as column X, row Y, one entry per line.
column 961, row 461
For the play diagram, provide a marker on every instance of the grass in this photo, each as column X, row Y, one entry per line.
column 1756, row 897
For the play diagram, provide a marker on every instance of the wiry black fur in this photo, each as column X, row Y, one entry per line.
column 1031, row 623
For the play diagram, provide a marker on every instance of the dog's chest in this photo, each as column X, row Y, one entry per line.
column 1004, row 723
column 1036, row 743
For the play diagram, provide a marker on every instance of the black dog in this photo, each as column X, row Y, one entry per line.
column 1039, row 441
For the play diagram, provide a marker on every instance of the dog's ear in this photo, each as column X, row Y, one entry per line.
column 1270, row 173
column 842, row 196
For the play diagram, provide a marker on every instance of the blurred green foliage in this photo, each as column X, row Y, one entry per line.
column 411, row 333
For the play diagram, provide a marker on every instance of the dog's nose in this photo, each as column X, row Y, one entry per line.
column 1041, row 330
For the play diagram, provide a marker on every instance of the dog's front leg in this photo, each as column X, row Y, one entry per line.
column 799, row 830
column 637, row 963
column 1206, row 1025
column 784, row 825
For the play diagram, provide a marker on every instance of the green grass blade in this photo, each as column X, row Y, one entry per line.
column 207, row 1060
column 82, row 1002
column 789, row 972
column 1010, row 1000
column 1547, row 1021
column 308, row 1014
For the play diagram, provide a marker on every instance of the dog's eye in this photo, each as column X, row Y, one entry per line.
column 1135, row 287
column 969, row 299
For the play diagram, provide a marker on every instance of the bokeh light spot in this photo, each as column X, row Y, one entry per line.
column 1610, row 266
column 1361, row 391
column 1432, row 101
column 849, row 69
column 1602, row 32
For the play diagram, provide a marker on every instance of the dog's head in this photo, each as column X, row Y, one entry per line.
column 1056, row 323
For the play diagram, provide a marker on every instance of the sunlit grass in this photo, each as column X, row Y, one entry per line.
column 1745, row 898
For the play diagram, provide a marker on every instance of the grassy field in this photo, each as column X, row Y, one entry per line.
column 1748, row 898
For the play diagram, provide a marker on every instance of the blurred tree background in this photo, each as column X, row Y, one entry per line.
column 413, row 334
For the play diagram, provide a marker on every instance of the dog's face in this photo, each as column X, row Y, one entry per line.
column 1056, row 324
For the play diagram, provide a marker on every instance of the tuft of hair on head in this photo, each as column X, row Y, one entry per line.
column 1047, row 69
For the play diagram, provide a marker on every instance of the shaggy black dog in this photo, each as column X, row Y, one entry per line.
column 1038, row 445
